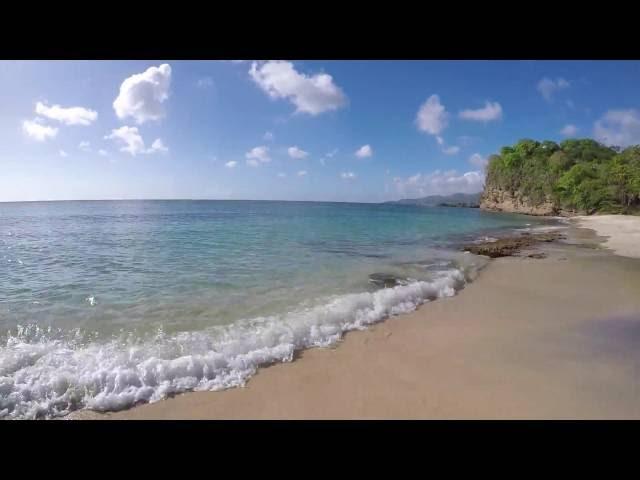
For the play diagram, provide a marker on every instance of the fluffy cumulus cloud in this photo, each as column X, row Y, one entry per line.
column 36, row 130
column 282, row 175
column 313, row 94
column 103, row 153
column 84, row 146
column 62, row 153
column 131, row 141
column 569, row 130
column 432, row 116
column 347, row 175
column 302, row 173
column 364, row 151
column 268, row 136
column 618, row 127
column 478, row 160
column 548, row 87
column 439, row 183
column 490, row 111
column 231, row 164
column 298, row 153
column 67, row 116
column 142, row 95
column 257, row 156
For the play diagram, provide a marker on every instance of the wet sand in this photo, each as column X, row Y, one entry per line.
column 552, row 338
column 622, row 232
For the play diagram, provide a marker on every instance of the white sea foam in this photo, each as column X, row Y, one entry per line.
column 44, row 375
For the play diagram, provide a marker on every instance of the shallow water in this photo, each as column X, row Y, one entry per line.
column 105, row 304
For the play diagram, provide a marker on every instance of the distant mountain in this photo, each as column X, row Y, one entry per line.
column 469, row 200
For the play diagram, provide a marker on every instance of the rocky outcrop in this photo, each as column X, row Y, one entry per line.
column 506, row 247
column 499, row 200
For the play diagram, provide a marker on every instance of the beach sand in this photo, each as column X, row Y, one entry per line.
column 623, row 232
column 552, row 338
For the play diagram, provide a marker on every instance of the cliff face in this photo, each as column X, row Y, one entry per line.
column 495, row 199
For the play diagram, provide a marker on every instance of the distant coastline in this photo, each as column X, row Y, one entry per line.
column 462, row 200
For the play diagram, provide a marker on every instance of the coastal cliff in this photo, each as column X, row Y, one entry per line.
column 575, row 177
column 496, row 199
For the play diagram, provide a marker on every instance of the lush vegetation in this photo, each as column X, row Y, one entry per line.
column 575, row 175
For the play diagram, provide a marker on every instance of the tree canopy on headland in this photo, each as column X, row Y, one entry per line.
column 579, row 175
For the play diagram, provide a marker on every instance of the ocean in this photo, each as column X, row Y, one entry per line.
column 107, row 304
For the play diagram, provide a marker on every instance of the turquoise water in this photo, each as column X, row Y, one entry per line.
column 107, row 304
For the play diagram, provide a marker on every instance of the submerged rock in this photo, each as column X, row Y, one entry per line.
column 386, row 280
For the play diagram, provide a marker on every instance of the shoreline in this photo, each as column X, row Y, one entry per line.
column 622, row 232
column 508, row 345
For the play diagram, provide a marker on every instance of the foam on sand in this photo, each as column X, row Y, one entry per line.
column 46, row 374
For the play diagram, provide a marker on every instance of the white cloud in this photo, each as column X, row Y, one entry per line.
column 68, row 116
column 302, row 173
column 103, row 153
column 231, row 164
column 295, row 152
column 478, row 160
column 322, row 161
column 133, row 143
column 439, row 183
column 452, row 150
column 547, row 87
column 128, row 137
column 142, row 95
column 490, row 112
column 282, row 175
column 347, row 175
column 569, row 130
column 364, row 151
column 310, row 94
column 618, row 127
column 268, row 136
column 84, row 146
column 332, row 153
column 432, row 116
column 158, row 146
column 63, row 153
column 258, row 155
column 36, row 130
column 205, row 82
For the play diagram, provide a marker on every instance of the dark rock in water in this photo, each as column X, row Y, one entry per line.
column 506, row 247
column 385, row 280
column 537, row 255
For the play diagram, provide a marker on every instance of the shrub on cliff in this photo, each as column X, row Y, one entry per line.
column 578, row 174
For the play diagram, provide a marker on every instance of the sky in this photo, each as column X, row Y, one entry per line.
column 361, row 131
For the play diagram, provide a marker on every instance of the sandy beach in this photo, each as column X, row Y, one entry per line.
column 530, row 339
column 622, row 232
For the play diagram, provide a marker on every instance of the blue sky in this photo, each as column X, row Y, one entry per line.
column 291, row 130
